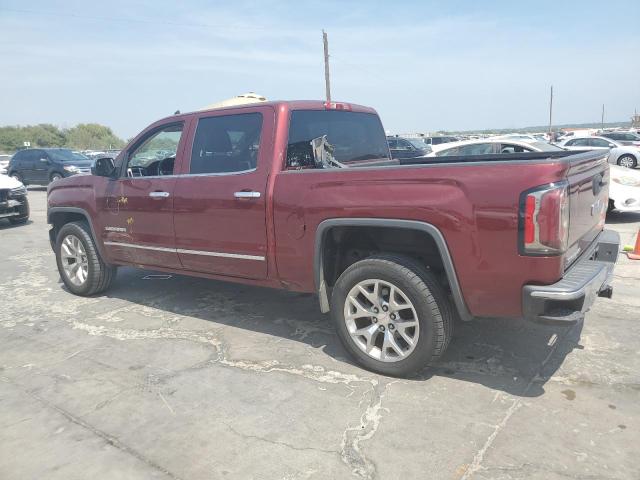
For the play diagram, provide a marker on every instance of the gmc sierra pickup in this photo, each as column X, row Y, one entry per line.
column 303, row 195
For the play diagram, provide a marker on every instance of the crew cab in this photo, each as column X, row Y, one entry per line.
column 304, row 196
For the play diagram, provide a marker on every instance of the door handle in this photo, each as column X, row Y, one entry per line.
column 158, row 194
column 247, row 194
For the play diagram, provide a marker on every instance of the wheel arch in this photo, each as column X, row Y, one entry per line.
column 405, row 225
column 59, row 216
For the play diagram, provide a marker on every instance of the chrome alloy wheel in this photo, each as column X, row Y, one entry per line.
column 626, row 161
column 381, row 320
column 74, row 260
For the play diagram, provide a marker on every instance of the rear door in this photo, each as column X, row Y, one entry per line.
column 41, row 166
column 137, row 209
column 220, row 198
column 25, row 166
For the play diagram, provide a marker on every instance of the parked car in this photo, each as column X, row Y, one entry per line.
column 521, row 136
column 303, row 195
column 623, row 155
column 14, row 205
column 407, row 147
column 39, row 166
column 624, row 189
column 4, row 163
column 439, row 140
column 491, row 146
column 624, row 138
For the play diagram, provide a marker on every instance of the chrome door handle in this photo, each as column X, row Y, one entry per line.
column 247, row 194
column 158, row 194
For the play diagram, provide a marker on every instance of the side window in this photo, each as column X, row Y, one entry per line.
column 599, row 142
column 226, row 144
column 476, row 149
column 580, row 142
column 393, row 143
column 403, row 145
column 511, row 148
column 156, row 155
column 448, row 153
column 28, row 158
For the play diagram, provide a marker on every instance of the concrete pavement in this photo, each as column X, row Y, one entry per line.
column 187, row 378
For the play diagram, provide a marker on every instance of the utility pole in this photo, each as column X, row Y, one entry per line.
column 602, row 119
column 327, row 82
column 550, row 109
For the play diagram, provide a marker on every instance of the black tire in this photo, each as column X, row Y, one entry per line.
column 432, row 306
column 100, row 274
column 56, row 176
column 634, row 160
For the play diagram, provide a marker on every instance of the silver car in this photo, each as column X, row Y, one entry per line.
column 623, row 155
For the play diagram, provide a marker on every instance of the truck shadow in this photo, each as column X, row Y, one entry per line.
column 616, row 217
column 513, row 356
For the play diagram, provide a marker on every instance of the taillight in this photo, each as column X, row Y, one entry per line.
column 544, row 220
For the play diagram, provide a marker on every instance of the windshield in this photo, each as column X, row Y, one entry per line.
column 63, row 155
column 351, row 136
column 419, row 144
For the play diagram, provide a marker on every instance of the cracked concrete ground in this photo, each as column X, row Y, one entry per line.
column 194, row 379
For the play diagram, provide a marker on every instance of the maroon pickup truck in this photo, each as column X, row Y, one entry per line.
column 304, row 196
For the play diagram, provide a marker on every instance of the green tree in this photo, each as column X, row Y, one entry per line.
column 82, row 137
column 92, row 136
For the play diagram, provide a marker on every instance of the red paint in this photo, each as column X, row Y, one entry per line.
column 474, row 205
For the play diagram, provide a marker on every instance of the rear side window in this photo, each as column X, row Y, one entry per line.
column 579, row 142
column 451, row 152
column 476, row 149
column 598, row 142
column 352, row 136
column 226, row 144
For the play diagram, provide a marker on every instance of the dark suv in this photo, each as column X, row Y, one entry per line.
column 39, row 166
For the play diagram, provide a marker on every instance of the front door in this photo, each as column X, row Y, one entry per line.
column 137, row 211
column 220, row 198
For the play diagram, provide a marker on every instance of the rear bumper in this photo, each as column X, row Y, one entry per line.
column 567, row 300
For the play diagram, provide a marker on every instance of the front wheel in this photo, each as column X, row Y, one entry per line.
column 391, row 314
column 79, row 263
column 628, row 161
column 55, row 177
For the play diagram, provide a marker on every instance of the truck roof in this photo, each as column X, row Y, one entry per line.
column 278, row 104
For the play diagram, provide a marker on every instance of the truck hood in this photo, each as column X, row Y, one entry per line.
column 7, row 182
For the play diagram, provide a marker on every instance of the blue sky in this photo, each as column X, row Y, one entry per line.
column 423, row 65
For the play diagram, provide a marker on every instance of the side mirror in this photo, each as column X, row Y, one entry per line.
column 44, row 160
column 611, row 145
column 103, row 167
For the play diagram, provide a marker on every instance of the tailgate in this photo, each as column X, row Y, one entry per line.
column 588, row 178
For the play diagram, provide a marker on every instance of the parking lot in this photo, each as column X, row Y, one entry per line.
column 186, row 378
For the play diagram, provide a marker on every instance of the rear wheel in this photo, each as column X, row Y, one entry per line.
column 628, row 161
column 81, row 268
column 391, row 314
